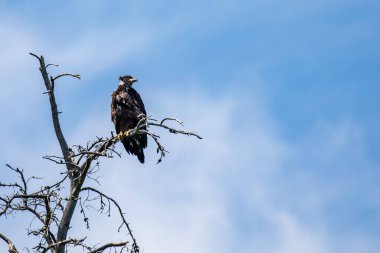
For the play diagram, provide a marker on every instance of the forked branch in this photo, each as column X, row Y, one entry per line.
column 54, row 110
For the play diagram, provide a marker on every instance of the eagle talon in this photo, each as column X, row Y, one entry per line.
column 127, row 133
column 119, row 136
column 122, row 135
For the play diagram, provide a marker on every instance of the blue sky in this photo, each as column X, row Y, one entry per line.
column 285, row 94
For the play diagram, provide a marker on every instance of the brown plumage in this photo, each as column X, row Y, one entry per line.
column 127, row 109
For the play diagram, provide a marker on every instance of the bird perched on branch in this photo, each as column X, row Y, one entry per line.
column 128, row 111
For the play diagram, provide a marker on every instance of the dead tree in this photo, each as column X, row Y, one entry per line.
column 53, row 210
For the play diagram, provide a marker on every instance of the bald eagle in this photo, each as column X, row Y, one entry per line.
column 127, row 109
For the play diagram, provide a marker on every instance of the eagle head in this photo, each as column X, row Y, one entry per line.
column 127, row 80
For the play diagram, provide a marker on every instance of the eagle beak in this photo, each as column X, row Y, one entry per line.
column 133, row 80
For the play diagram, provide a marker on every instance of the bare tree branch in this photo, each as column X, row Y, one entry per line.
column 107, row 246
column 175, row 131
column 65, row 242
column 50, row 64
column 11, row 246
column 171, row 119
column 54, row 111
column 124, row 221
column 66, row 74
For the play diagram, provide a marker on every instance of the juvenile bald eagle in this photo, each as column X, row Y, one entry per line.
column 127, row 110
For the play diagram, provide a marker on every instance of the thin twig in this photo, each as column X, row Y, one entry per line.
column 66, row 74
column 52, row 64
column 124, row 222
column 108, row 245
column 175, row 131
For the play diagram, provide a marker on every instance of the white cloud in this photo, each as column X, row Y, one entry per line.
column 294, row 237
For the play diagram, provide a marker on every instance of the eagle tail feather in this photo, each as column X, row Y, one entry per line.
column 132, row 146
column 141, row 156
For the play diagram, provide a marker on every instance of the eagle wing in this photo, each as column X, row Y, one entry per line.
column 136, row 100
column 124, row 111
column 140, row 109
